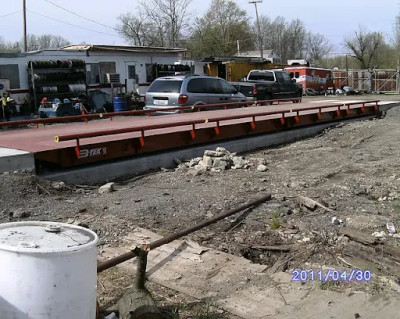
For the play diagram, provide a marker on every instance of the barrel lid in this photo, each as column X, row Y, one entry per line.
column 45, row 237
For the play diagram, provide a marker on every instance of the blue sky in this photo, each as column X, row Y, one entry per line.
column 335, row 19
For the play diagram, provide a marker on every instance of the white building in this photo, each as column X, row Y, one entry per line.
column 131, row 65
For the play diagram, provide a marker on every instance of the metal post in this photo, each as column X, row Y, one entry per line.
column 141, row 270
column 258, row 27
column 32, row 75
column 397, row 76
column 24, row 12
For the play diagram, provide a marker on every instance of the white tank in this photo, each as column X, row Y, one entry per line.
column 47, row 271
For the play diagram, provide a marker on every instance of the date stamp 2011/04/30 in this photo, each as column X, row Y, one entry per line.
column 346, row 275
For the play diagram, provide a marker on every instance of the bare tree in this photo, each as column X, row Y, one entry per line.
column 317, row 47
column 8, row 47
column 265, row 28
column 296, row 36
column 287, row 40
column 397, row 33
column 365, row 46
column 137, row 30
column 278, row 38
column 156, row 23
column 45, row 41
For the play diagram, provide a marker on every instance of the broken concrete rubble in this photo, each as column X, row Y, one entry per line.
column 217, row 161
column 262, row 168
column 107, row 188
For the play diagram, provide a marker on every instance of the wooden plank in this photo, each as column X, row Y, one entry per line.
column 358, row 236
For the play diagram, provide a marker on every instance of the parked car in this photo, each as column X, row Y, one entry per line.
column 58, row 108
column 193, row 90
column 249, row 90
column 269, row 85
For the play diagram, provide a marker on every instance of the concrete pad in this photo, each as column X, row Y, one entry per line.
column 329, row 304
column 246, row 289
column 16, row 160
column 233, row 283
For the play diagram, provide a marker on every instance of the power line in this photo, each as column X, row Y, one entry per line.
column 80, row 16
column 9, row 14
column 74, row 25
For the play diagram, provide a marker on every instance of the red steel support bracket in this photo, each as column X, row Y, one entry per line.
column 338, row 113
column 348, row 109
column 283, row 118
column 319, row 115
column 77, row 150
column 297, row 118
column 141, row 139
column 217, row 129
column 84, row 116
column 193, row 132
column 253, row 123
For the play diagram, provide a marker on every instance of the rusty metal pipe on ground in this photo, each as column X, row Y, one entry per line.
column 135, row 252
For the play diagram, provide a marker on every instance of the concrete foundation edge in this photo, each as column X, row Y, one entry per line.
column 17, row 162
column 130, row 167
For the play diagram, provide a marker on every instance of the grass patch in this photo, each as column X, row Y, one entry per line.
column 329, row 285
column 275, row 222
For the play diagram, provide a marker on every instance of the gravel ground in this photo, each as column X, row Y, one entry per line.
column 351, row 170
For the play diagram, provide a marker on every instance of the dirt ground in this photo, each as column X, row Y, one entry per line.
column 352, row 171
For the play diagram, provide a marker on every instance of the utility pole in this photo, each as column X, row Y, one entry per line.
column 258, row 26
column 25, row 40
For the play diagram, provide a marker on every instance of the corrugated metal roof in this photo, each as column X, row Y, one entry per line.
column 93, row 47
column 235, row 59
column 257, row 54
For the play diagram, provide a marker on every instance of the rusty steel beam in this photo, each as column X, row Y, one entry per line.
column 136, row 251
column 202, row 121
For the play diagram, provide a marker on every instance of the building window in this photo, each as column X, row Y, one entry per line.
column 150, row 73
column 131, row 72
column 106, row 68
column 92, row 73
column 11, row 72
column 297, row 75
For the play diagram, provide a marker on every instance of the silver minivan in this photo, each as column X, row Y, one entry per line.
column 190, row 90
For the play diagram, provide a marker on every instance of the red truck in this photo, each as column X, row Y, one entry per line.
column 314, row 80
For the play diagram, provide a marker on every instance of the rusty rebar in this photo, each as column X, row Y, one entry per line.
column 136, row 251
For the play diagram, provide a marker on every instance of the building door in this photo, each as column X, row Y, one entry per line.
column 222, row 71
column 131, row 77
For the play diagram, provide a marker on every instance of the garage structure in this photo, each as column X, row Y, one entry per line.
column 135, row 66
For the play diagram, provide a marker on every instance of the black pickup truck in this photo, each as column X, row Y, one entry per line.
column 269, row 85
